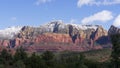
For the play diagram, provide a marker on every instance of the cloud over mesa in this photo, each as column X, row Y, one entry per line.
column 117, row 21
column 81, row 3
column 102, row 16
column 38, row 2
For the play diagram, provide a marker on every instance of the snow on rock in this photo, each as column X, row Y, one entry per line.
column 50, row 26
column 85, row 27
column 9, row 33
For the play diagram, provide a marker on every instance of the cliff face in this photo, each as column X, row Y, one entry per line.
column 59, row 34
column 113, row 30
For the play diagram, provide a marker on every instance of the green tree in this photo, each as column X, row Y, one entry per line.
column 48, row 57
column 20, row 55
column 35, row 61
column 81, row 61
column 19, row 64
column 5, row 57
column 115, row 39
column 73, row 61
column 2, row 66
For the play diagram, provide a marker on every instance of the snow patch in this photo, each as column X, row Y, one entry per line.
column 50, row 26
column 85, row 27
column 9, row 33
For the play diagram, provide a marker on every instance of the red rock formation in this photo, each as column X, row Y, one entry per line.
column 5, row 43
column 99, row 33
column 54, row 37
column 17, row 42
column 84, row 39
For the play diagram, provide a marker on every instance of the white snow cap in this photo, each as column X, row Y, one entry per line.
column 51, row 25
column 9, row 33
column 85, row 27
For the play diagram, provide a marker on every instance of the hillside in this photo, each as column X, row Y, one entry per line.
column 56, row 36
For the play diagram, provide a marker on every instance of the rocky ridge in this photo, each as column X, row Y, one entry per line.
column 59, row 35
column 113, row 30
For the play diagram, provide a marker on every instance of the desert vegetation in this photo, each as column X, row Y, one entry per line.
column 48, row 59
column 104, row 58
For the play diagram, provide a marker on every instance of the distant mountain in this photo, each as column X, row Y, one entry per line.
column 56, row 36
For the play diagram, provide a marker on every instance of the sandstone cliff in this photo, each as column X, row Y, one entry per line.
column 59, row 34
column 113, row 30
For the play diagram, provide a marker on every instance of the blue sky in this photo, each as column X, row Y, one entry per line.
column 38, row 12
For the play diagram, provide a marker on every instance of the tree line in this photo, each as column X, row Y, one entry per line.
column 50, row 60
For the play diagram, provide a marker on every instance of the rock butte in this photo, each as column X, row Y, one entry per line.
column 58, row 36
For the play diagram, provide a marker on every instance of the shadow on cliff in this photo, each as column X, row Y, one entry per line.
column 74, row 37
column 72, row 34
column 103, row 40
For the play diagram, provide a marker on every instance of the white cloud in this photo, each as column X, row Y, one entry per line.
column 73, row 21
column 102, row 16
column 38, row 2
column 81, row 3
column 13, row 18
column 84, row 2
column 117, row 21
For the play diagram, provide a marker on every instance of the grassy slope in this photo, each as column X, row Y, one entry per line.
column 98, row 55
column 95, row 55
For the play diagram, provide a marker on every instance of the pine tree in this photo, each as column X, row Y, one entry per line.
column 20, row 55
column 115, row 39
column 48, row 58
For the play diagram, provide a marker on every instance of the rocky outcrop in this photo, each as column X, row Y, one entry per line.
column 5, row 43
column 100, row 36
column 59, row 34
column 100, row 32
column 113, row 30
